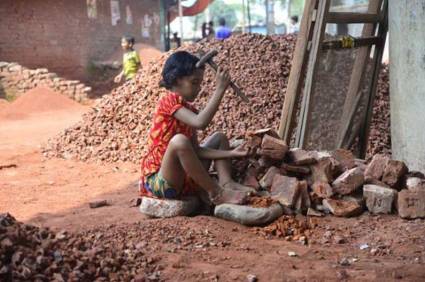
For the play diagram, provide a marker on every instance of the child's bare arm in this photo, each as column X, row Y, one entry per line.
column 214, row 154
column 202, row 119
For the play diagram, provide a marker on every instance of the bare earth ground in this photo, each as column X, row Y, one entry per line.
column 55, row 193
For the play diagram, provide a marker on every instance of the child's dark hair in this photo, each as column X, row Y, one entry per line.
column 294, row 18
column 222, row 21
column 178, row 65
column 129, row 39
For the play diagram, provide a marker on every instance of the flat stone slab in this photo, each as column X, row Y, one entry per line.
column 169, row 208
column 247, row 215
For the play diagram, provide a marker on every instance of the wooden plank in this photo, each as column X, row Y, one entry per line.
column 358, row 42
column 350, row 18
column 356, row 77
column 379, row 51
column 319, row 32
column 296, row 75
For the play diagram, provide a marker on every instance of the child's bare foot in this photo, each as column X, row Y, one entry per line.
column 230, row 197
column 232, row 185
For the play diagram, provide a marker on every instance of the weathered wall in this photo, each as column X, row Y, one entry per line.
column 407, row 81
column 60, row 36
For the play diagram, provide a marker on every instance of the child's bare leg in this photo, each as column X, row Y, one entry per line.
column 181, row 158
column 224, row 167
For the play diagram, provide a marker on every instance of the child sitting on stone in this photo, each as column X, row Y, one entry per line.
column 175, row 164
column 131, row 60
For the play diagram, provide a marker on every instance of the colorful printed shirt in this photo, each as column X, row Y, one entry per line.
column 131, row 63
column 164, row 127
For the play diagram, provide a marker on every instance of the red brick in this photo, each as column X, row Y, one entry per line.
column 345, row 158
column 324, row 170
column 273, row 148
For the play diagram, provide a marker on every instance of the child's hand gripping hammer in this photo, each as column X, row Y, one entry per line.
column 208, row 59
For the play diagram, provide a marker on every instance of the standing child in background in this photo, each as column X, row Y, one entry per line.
column 131, row 60
column 294, row 26
column 223, row 31
column 175, row 164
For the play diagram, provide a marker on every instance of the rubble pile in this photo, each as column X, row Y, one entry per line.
column 116, row 128
column 29, row 253
column 316, row 183
column 18, row 80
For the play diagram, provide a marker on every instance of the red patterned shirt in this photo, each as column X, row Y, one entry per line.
column 164, row 127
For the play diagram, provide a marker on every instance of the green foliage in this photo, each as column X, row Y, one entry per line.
column 218, row 9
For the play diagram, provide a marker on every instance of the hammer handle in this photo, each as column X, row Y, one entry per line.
column 235, row 88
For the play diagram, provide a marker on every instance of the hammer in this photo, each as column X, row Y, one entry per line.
column 207, row 59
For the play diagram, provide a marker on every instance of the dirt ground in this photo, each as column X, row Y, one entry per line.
column 56, row 193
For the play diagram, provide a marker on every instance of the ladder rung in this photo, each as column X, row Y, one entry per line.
column 358, row 42
column 347, row 18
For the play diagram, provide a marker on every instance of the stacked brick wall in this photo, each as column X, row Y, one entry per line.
column 60, row 36
column 16, row 80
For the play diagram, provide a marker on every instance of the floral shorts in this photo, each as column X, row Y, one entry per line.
column 159, row 187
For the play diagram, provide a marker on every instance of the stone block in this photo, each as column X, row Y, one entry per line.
column 379, row 199
column 300, row 170
column 394, row 173
column 375, row 169
column 349, row 181
column 303, row 202
column 411, row 204
column 169, row 208
column 285, row 190
column 247, row 215
column 343, row 208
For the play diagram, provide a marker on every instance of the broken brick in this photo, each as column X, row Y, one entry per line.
column 415, row 184
column 285, row 190
column 375, row 169
column 302, row 157
column 267, row 180
column 303, row 170
column 379, row 199
column 411, row 204
column 324, row 170
column 322, row 190
column 345, row 158
column 349, row 181
column 303, row 202
column 273, row 148
column 343, row 208
column 394, row 173
column 266, row 131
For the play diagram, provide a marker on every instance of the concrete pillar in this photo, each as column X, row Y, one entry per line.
column 407, row 81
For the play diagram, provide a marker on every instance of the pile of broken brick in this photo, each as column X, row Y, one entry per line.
column 30, row 253
column 321, row 182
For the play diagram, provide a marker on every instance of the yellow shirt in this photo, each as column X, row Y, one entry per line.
column 131, row 63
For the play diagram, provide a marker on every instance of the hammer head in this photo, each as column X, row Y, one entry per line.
column 206, row 58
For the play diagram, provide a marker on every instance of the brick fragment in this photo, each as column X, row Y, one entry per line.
column 273, row 148
column 324, row 170
column 349, row 181
column 342, row 208
column 285, row 190
column 345, row 158
column 267, row 180
column 322, row 189
column 302, row 157
column 375, row 169
column 394, row 173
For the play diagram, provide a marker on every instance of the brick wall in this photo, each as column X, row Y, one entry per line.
column 59, row 35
